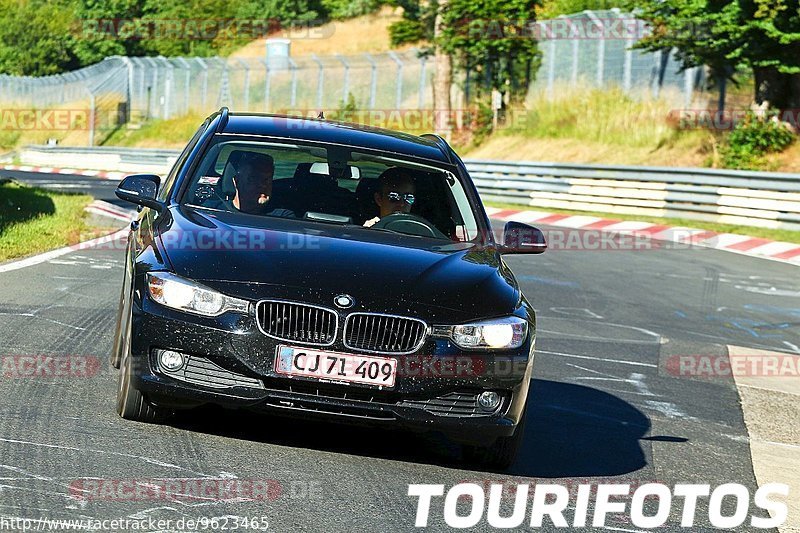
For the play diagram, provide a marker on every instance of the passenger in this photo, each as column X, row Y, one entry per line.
column 395, row 194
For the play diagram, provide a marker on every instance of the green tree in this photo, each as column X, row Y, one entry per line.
column 98, row 24
column 761, row 35
column 492, row 39
column 489, row 39
column 551, row 9
column 37, row 37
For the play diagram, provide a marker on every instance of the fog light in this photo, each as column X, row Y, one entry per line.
column 171, row 361
column 488, row 400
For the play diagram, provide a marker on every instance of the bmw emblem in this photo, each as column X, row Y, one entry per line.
column 344, row 301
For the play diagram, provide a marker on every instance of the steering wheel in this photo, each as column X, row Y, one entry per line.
column 410, row 225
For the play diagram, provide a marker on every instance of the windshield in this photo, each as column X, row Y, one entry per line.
column 332, row 184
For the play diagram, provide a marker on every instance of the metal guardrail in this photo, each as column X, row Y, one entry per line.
column 765, row 199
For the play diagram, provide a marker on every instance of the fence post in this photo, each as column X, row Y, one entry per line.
column 293, row 96
column 421, row 97
column 373, row 82
column 246, row 68
column 92, row 108
column 576, row 42
column 169, row 82
column 267, row 84
column 601, row 48
column 628, row 68
column 186, row 80
column 320, row 79
column 688, row 86
column 153, row 100
column 346, row 83
column 225, row 96
column 551, row 67
column 204, row 90
column 399, row 97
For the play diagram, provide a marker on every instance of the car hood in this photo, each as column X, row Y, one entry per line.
column 266, row 257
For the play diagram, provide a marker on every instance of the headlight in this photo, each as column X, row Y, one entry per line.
column 508, row 332
column 178, row 293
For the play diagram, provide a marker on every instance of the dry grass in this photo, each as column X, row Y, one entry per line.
column 520, row 147
column 366, row 34
column 68, row 124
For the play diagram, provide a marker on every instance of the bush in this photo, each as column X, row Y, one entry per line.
column 752, row 139
column 406, row 32
column 344, row 9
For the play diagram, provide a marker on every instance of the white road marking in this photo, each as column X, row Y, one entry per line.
column 148, row 460
column 47, row 256
column 582, row 312
column 604, row 359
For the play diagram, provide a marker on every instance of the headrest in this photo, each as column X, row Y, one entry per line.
column 237, row 157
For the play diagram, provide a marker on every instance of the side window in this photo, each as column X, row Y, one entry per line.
column 173, row 173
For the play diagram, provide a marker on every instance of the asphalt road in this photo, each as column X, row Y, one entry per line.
column 604, row 406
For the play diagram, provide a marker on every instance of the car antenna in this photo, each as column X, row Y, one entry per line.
column 321, row 115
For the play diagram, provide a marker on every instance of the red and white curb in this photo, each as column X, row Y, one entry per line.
column 106, row 209
column 52, row 254
column 102, row 174
column 742, row 244
column 97, row 207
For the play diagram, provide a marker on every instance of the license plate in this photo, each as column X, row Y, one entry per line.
column 333, row 366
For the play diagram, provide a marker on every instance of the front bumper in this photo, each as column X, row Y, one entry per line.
column 231, row 346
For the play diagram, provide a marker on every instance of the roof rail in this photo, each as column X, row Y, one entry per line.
column 441, row 143
column 223, row 119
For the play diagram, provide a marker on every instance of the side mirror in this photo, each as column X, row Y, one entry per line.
column 140, row 189
column 519, row 238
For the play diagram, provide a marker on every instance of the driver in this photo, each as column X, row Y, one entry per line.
column 253, row 182
column 396, row 194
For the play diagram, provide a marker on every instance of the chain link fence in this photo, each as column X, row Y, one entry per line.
column 587, row 48
column 595, row 49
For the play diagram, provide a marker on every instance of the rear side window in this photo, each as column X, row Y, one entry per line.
column 173, row 173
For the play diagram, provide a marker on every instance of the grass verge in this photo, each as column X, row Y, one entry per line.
column 764, row 233
column 36, row 220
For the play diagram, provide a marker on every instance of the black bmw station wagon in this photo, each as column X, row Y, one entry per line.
column 319, row 269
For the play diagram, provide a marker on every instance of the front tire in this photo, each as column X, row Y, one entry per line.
column 502, row 453
column 131, row 403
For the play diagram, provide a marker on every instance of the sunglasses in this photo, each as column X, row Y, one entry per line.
column 401, row 197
